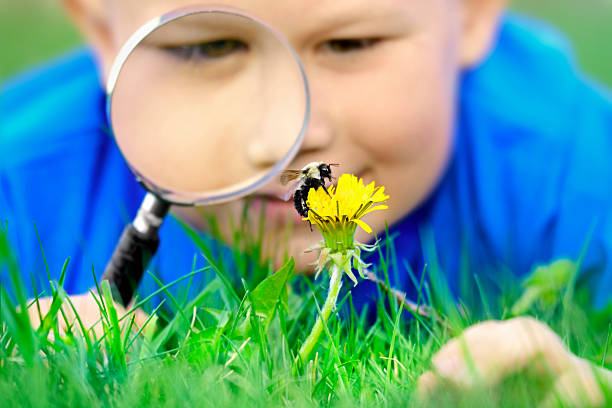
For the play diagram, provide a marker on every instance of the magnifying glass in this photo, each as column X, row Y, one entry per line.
column 206, row 105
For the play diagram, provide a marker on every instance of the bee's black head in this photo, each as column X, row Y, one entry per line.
column 325, row 170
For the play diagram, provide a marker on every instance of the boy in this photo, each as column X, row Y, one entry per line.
column 477, row 125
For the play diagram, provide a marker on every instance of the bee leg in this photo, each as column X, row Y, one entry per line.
column 299, row 206
column 306, row 215
column 325, row 189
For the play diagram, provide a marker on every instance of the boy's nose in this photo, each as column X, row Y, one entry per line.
column 318, row 135
column 264, row 152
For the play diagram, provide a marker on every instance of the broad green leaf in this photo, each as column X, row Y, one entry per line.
column 214, row 317
column 272, row 289
column 265, row 296
column 544, row 284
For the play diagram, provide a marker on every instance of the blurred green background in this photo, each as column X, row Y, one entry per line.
column 32, row 31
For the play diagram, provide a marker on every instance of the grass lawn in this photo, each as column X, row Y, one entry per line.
column 31, row 32
column 235, row 344
column 588, row 24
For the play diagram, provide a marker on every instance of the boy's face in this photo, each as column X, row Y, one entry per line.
column 382, row 77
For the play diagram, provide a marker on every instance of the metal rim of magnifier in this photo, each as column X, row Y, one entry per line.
column 221, row 195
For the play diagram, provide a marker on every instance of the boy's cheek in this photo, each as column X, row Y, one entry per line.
column 408, row 140
column 407, row 137
column 404, row 108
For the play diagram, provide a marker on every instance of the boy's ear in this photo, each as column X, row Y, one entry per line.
column 91, row 17
column 480, row 24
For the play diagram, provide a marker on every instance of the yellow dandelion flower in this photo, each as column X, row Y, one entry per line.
column 338, row 213
column 337, row 216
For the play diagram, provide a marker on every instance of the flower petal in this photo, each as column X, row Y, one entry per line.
column 363, row 225
column 375, row 208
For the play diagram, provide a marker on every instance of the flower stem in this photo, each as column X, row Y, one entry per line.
column 335, row 283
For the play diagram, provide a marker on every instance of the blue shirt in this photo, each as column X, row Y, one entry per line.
column 530, row 179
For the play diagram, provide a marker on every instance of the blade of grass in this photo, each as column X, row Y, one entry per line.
column 151, row 316
column 117, row 351
column 393, row 336
column 607, row 343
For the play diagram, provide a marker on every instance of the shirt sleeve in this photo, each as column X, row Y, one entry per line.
column 584, row 222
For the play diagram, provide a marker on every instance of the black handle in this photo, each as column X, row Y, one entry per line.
column 130, row 258
column 136, row 247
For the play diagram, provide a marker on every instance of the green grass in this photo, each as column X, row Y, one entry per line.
column 587, row 24
column 32, row 32
column 234, row 344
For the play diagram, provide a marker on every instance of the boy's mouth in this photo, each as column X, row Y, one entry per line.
column 274, row 208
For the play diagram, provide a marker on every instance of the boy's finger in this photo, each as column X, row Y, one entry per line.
column 87, row 309
column 488, row 352
column 580, row 386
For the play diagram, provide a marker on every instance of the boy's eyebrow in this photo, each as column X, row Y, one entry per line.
column 321, row 19
column 201, row 27
column 354, row 13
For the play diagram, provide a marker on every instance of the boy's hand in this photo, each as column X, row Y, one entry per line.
column 88, row 310
column 489, row 352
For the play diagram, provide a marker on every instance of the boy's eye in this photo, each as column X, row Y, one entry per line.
column 207, row 50
column 347, row 45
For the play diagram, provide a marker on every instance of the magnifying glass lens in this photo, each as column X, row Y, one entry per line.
column 207, row 106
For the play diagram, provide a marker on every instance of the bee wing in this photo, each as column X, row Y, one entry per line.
column 292, row 190
column 288, row 175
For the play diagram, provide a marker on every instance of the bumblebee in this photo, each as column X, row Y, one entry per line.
column 313, row 175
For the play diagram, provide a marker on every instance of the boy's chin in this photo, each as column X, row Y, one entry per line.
column 283, row 237
column 296, row 247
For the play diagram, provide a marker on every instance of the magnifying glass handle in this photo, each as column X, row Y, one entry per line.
column 136, row 247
